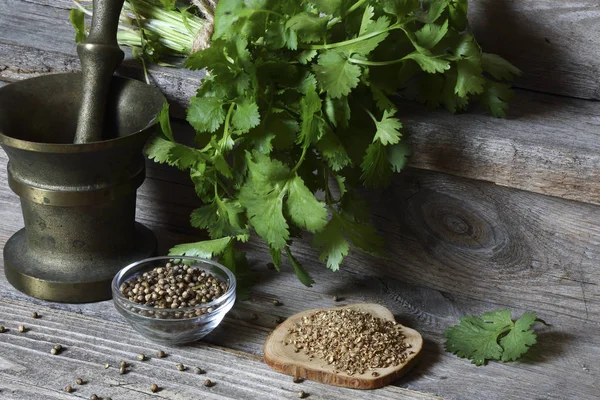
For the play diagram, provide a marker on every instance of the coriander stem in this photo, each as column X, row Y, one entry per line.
column 350, row 41
column 355, row 6
column 301, row 160
column 226, row 127
column 376, row 63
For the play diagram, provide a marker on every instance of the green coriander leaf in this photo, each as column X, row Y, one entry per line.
column 375, row 166
column 221, row 165
column 333, row 151
column 381, row 100
column 165, row 122
column 431, row 34
column 245, row 116
column 158, row 149
column 363, row 236
column 495, row 98
column 306, row 56
column 498, row 67
column 304, row 209
column 458, row 14
column 168, row 4
column 311, row 127
column 331, row 7
column 400, row 8
column 308, row 27
column 237, row 263
column 429, row 64
column 77, row 19
column 341, row 182
column 367, row 19
column 398, row 155
column 520, row 338
column 337, row 111
column 276, row 258
column 336, row 74
column 300, row 271
column 494, row 336
column 469, row 79
column 388, row 129
column 205, row 114
column 204, row 217
column 205, row 249
column 332, row 244
column 184, row 157
column 436, row 8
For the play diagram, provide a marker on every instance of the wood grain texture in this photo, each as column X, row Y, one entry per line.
column 282, row 357
column 554, row 42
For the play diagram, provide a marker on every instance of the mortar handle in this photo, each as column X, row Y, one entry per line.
column 100, row 56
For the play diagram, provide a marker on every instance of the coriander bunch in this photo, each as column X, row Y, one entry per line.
column 297, row 102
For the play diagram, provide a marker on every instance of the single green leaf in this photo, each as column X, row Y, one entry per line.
column 205, row 249
column 398, row 155
column 158, row 149
column 400, row 8
column 498, row 67
column 205, row 114
column 333, row 151
column 431, row 34
column 429, row 64
column 332, row 244
column 388, row 129
column 245, row 116
column 376, row 170
column 165, row 122
column 458, row 14
column 308, row 27
column 495, row 98
column 304, row 209
column 300, row 271
column 77, row 19
column 469, row 79
column 520, row 338
column 435, row 10
column 336, row 74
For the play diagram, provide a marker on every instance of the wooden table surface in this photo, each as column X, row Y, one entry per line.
column 457, row 245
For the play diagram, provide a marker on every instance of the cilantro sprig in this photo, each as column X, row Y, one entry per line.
column 296, row 113
column 493, row 336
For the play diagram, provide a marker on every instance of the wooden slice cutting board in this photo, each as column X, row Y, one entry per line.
column 283, row 359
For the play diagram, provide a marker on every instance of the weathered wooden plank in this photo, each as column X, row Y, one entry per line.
column 554, row 42
column 548, row 145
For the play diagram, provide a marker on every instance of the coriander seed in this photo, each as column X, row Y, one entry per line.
column 68, row 389
column 297, row 379
column 123, row 364
column 199, row 371
column 270, row 265
column 2, row 329
column 375, row 374
column 279, row 320
column 35, row 315
column 53, row 351
column 57, row 347
column 122, row 370
column 302, row 394
column 94, row 397
column 154, row 388
column 21, row 328
column 141, row 357
column 106, row 366
column 276, row 303
column 161, row 354
column 180, row 367
column 208, row 383
column 79, row 381
column 335, row 298
column 254, row 316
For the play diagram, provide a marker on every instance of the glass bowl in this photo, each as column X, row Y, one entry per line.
column 174, row 325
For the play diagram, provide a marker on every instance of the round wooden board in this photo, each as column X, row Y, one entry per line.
column 283, row 359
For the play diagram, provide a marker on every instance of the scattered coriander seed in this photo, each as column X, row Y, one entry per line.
column 53, row 351
column 276, row 303
column 107, row 398
column 254, row 316
column 161, row 354
column 270, row 265
column 106, row 366
column 375, row 374
column 154, row 388
column 68, row 389
column 298, row 379
column 199, row 371
column 208, row 383
column 123, row 364
column 21, row 328
column 141, row 357
column 180, row 367
column 57, row 347
column 35, row 315
column 2, row 329
column 79, row 381
column 335, row 298
column 123, row 370
column 94, row 397
column 302, row 394
column 279, row 320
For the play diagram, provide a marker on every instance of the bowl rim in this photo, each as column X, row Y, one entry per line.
column 230, row 293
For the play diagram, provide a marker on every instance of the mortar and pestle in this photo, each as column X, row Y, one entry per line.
column 74, row 143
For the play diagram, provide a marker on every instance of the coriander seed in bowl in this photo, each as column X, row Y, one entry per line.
column 174, row 301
